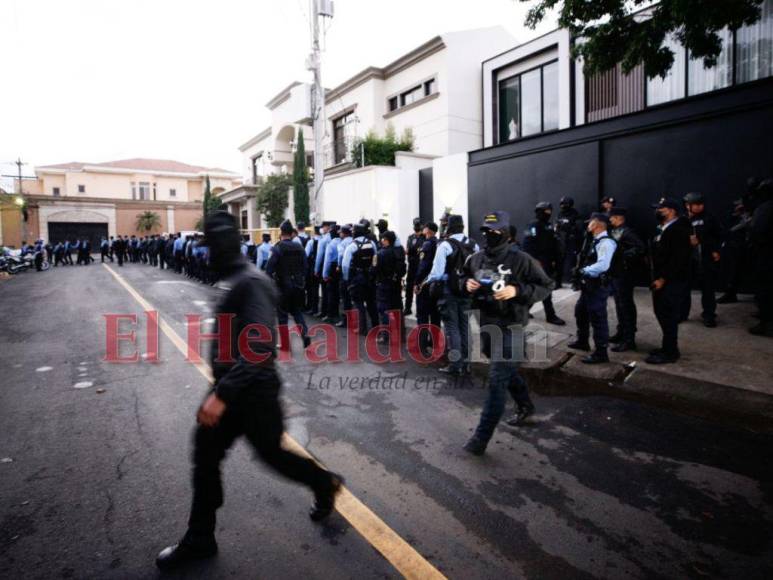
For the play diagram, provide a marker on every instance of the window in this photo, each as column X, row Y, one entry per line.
column 702, row 80
column 429, row 87
column 393, row 104
column 662, row 90
column 342, row 137
column 172, row 193
column 134, row 190
column 754, row 47
column 81, row 189
column 56, row 192
column 257, row 167
column 244, row 219
column 143, row 192
column 154, row 192
column 528, row 103
column 411, row 96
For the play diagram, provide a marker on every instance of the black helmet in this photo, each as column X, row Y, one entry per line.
column 693, row 197
column 567, row 201
column 286, row 227
column 417, row 223
column 389, row 236
column 543, row 205
column 359, row 230
column 455, row 224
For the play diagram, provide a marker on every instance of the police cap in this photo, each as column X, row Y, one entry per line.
column 496, row 220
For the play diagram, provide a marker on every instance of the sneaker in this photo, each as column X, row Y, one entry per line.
column 597, row 357
column 475, row 446
column 523, row 413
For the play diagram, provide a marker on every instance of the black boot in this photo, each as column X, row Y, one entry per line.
column 624, row 346
column 597, row 357
column 324, row 499
column 728, row 298
column 579, row 345
column 555, row 320
column 180, row 554
column 617, row 337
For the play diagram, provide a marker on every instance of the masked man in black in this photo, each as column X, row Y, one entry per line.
column 244, row 399
column 504, row 282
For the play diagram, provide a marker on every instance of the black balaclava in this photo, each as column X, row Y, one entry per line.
column 224, row 241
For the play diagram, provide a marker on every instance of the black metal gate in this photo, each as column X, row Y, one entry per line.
column 61, row 231
column 426, row 196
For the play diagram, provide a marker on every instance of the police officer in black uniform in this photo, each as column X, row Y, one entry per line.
column 595, row 286
column 705, row 238
column 388, row 272
column 626, row 268
column 243, row 401
column 569, row 231
column 359, row 270
column 427, row 311
column 504, row 282
column 671, row 252
column 734, row 252
column 541, row 243
column 287, row 266
column 761, row 243
column 413, row 247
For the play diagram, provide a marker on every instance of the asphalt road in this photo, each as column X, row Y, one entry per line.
column 94, row 463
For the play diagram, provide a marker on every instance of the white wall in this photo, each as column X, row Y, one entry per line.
column 449, row 184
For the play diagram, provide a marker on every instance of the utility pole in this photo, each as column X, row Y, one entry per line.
column 320, row 9
column 20, row 201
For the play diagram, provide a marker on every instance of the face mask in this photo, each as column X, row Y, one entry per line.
column 493, row 238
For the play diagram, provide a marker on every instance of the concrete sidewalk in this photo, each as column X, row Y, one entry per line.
column 724, row 373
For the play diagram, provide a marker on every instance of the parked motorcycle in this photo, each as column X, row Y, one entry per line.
column 16, row 264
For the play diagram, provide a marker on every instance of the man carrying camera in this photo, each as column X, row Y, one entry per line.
column 504, row 282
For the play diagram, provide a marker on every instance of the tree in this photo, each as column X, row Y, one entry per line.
column 616, row 31
column 210, row 203
column 381, row 150
column 147, row 221
column 272, row 198
column 300, row 182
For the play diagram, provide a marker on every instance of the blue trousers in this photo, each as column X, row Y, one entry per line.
column 453, row 311
column 503, row 378
column 591, row 310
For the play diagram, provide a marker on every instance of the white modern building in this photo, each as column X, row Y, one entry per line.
column 432, row 92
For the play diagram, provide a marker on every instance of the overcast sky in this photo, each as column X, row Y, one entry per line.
column 98, row 80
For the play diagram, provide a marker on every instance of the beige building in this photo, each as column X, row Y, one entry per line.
column 91, row 200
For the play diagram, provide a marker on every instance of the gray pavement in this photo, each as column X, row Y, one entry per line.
column 98, row 481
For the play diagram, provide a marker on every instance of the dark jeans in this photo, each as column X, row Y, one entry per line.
column 290, row 305
column 591, row 310
column 503, row 378
column 258, row 416
column 333, row 296
column 625, row 306
column 427, row 312
column 667, row 304
column 364, row 297
column 453, row 311
column 312, row 293
column 704, row 276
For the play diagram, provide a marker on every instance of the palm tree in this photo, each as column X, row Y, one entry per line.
column 147, row 221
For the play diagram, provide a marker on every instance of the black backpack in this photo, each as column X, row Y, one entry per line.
column 455, row 263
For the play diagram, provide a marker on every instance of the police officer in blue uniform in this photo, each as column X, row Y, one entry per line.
column 357, row 269
column 446, row 283
column 541, row 243
column 343, row 289
column 595, row 287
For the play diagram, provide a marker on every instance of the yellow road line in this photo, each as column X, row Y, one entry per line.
column 397, row 551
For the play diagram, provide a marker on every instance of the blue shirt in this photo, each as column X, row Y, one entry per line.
column 342, row 248
column 331, row 256
column 323, row 242
column 244, row 249
column 351, row 249
column 178, row 244
column 605, row 249
column 263, row 254
column 310, row 246
column 444, row 249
